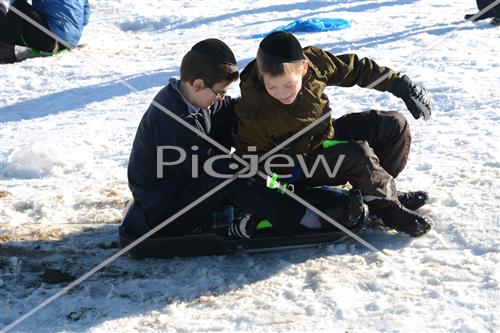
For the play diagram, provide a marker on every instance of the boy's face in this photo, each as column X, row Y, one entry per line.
column 286, row 87
column 206, row 96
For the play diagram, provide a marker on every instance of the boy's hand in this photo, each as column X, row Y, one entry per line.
column 415, row 96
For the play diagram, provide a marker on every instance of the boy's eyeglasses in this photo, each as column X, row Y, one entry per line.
column 219, row 95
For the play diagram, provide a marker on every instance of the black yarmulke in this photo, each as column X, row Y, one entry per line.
column 217, row 50
column 283, row 45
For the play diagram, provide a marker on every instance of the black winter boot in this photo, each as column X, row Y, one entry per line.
column 351, row 212
column 413, row 200
column 495, row 21
column 402, row 219
column 7, row 53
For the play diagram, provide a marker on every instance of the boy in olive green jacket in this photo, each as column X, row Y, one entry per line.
column 282, row 92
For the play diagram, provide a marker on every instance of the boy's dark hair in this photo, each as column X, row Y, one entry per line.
column 210, row 60
column 279, row 53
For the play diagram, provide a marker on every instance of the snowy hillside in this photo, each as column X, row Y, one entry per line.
column 67, row 125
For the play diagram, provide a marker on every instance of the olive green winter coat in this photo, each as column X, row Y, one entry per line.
column 264, row 122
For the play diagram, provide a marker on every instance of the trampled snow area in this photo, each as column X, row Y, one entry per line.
column 67, row 125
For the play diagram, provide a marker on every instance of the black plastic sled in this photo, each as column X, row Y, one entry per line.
column 212, row 244
column 215, row 242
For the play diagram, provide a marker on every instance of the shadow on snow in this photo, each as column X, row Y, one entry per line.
column 76, row 98
column 129, row 287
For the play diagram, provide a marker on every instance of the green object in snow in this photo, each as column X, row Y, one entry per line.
column 38, row 53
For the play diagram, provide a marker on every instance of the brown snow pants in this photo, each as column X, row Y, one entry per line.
column 376, row 152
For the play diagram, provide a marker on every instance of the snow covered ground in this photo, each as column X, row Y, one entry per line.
column 67, row 124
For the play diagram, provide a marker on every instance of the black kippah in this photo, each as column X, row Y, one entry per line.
column 282, row 45
column 217, row 50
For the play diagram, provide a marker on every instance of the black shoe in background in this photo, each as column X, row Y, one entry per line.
column 468, row 16
column 495, row 21
column 483, row 16
column 413, row 200
column 7, row 53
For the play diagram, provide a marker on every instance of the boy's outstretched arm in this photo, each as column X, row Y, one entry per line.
column 348, row 70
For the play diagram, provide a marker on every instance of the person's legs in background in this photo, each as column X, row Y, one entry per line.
column 15, row 30
column 492, row 13
column 7, row 52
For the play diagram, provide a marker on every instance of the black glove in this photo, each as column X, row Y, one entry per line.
column 415, row 96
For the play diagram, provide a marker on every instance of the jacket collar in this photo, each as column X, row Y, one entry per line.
column 176, row 86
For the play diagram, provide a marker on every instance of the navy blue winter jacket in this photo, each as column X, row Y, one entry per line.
column 157, row 196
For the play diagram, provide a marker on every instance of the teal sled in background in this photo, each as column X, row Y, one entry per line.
column 311, row 25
